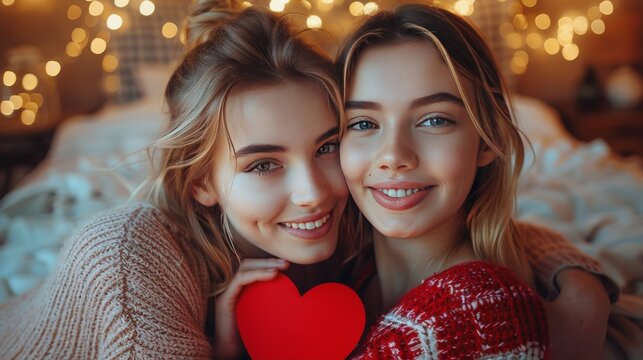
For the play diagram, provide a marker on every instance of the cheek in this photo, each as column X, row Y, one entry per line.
column 253, row 201
column 355, row 162
column 455, row 161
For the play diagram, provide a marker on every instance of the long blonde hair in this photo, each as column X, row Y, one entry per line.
column 226, row 48
column 489, row 206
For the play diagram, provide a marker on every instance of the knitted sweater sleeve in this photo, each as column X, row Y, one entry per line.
column 469, row 311
column 549, row 253
column 124, row 289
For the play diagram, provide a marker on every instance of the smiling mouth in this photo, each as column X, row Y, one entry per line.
column 309, row 225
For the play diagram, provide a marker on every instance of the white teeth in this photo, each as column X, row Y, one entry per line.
column 311, row 225
column 398, row 193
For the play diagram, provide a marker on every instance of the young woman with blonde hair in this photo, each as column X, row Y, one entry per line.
column 432, row 155
column 247, row 172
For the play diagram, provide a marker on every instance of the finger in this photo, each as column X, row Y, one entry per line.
column 251, row 264
column 244, row 278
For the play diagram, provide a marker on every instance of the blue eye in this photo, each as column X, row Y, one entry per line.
column 328, row 148
column 435, row 121
column 262, row 167
column 362, row 125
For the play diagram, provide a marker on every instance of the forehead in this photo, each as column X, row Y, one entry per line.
column 288, row 113
column 397, row 71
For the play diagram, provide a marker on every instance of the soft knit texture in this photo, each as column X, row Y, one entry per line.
column 472, row 310
column 127, row 286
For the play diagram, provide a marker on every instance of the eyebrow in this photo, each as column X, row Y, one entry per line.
column 266, row 148
column 425, row 100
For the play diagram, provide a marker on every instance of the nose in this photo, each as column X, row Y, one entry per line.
column 397, row 152
column 310, row 187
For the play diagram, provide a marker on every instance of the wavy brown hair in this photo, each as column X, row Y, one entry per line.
column 489, row 206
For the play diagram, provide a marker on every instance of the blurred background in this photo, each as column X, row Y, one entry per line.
column 60, row 59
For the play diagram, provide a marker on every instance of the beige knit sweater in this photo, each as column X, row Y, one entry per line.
column 124, row 288
column 127, row 287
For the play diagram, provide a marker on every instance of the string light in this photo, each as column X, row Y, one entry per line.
column 519, row 33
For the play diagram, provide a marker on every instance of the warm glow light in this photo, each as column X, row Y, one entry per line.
column 516, row 67
column 551, row 46
column 96, row 8
column 314, row 22
column 514, row 8
column 356, row 8
column 514, row 40
column 110, row 63
column 74, row 12
column 570, row 52
column 565, row 20
column 73, row 49
column 606, row 7
column 506, row 28
column 247, row 4
column 520, row 22
column 29, row 81
column 91, row 21
column 28, row 117
column 370, row 8
column 169, row 30
column 463, row 7
column 25, row 97
column 114, row 22
column 594, row 13
column 6, row 108
column 112, row 83
column 534, row 40
column 8, row 2
column 277, row 5
column 52, row 68
column 9, row 78
column 31, row 106
column 35, row 97
column 598, row 26
column 324, row 6
column 521, row 58
column 580, row 25
column 98, row 46
column 121, row 3
column 543, row 21
column 16, row 101
column 147, row 8
column 529, row 3
column 78, row 35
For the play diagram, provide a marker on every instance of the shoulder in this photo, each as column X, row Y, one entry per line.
column 134, row 243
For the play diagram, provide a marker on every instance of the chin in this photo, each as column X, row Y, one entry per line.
column 318, row 257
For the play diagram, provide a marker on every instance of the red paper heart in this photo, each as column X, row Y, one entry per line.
column 275, row 322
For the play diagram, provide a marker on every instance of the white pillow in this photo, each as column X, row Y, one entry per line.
column 540, row 122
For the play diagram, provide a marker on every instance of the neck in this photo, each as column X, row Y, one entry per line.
column 403, row 263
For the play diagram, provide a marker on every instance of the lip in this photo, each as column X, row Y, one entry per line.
column 313, row 234
column 402, row 203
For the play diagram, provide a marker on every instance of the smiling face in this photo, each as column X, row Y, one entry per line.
column 282, row 189
column 411, row 152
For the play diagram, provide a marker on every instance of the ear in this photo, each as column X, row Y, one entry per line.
column 203, row 193
column 485, row 155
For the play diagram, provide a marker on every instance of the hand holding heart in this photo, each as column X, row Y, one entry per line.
column 227, row 341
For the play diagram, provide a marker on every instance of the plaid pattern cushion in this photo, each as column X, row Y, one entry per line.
column 143, row 43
